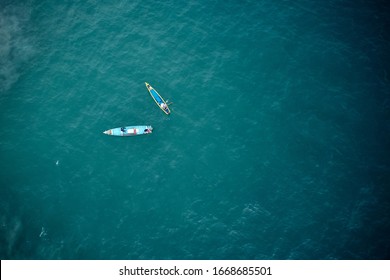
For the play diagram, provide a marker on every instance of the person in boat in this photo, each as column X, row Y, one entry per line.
column 147, row 130
column 123, row 129
column 164, row 106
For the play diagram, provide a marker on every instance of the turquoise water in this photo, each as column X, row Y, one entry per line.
column 276, row 148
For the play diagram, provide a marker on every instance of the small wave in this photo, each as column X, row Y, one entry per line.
column 15, row 45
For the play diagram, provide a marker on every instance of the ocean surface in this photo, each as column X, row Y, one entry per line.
column 277, row 146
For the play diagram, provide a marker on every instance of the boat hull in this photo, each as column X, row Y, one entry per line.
column 158, row 99
column 129, row 130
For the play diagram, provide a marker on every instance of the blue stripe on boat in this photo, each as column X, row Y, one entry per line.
column 155, row 95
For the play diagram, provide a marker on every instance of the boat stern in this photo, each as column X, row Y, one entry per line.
column 148, row 129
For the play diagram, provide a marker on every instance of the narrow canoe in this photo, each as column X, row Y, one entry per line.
column 130, row 130
column 158, row 99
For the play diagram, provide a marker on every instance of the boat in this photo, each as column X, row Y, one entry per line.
column 158, row 99
column 130, row 130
